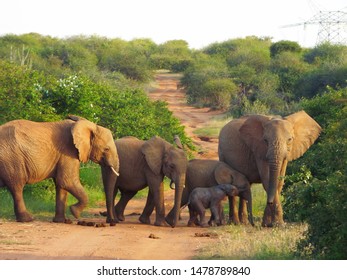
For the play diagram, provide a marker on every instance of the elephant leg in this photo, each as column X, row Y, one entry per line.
column 277, row 201
column 250, row 208
column 193, row 217
column 122, row 203
column 233, row 211
column 215, row 218
column 79, row 193
column 200, row 209
column 148, row 210
column 203, row 222
column 157, row 191
column 60, row 205
column 221, row 214
column 278, row 211
column 243, row 216
column 22, row 215
column 273, row 214
column 184, row 201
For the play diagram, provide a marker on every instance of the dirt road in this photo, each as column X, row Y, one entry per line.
column 192, row 118
column 43, row 239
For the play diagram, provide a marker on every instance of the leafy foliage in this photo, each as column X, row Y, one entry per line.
column 98, row 78
column 316, row 192
column 21, row 94
column 284, row 46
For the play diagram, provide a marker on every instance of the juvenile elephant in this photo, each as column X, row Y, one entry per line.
column 207, row 173
column 203, row 198
column 260, row 147
column 31, row 152
column 142, row 164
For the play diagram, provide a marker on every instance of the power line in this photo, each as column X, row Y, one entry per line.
column 332, row 26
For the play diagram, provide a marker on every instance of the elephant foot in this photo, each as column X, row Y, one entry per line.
column 120, row 217
column 204, row 225
column 244, row 219
column 233, row 222
column 112, row 221
column 273, row 224
column 145, row 220
column 191, row 224
column 170, row 221
column 160, row 223
column 75, row 211
column 58, row 219
column 24, row 217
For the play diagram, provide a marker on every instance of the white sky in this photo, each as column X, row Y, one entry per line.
column 199, row 22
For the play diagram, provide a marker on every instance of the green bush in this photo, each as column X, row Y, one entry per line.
column 284, row 46
column 21, row 94
column 316, row 190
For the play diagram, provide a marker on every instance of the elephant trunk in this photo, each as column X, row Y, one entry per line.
column 273, row 182
column 275, row 156
column 274, row 177
column 109, row 179
column 173, row 216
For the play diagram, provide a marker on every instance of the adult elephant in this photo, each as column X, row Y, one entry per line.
column 206, row 173
column 260, row 147
column 142, row 164
column 31, row 152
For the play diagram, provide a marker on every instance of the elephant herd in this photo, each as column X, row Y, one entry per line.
column 252, row 149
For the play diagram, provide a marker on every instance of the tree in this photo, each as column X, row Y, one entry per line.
column 284, row 46
column 173, row 55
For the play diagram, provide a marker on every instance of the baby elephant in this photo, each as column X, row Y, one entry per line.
column 203, row 198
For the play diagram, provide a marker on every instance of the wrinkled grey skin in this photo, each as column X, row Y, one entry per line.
column 142, row 164
column 31, row 152
column 204, row 198
column 205, row 173
column 260, row 147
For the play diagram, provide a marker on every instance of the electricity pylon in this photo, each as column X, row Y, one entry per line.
column 332, row 26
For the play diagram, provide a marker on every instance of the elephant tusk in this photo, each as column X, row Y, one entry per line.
column 114, row 171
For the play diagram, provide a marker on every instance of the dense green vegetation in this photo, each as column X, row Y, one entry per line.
column 44, row 78
column 317, row 189
column 254, row 75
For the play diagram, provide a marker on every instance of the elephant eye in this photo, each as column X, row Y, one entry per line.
column 107, row 149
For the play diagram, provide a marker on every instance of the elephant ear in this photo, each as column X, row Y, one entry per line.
column 306, row 131
column 251, row 133
column 82, row 134
column 153, row 151
column 222, row 174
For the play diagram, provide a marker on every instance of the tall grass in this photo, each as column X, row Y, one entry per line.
column 253, row 243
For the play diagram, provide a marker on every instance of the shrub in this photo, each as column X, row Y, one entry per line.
column 317, row 192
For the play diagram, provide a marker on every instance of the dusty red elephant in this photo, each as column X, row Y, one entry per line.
column 260, row 147
column 31, row 152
